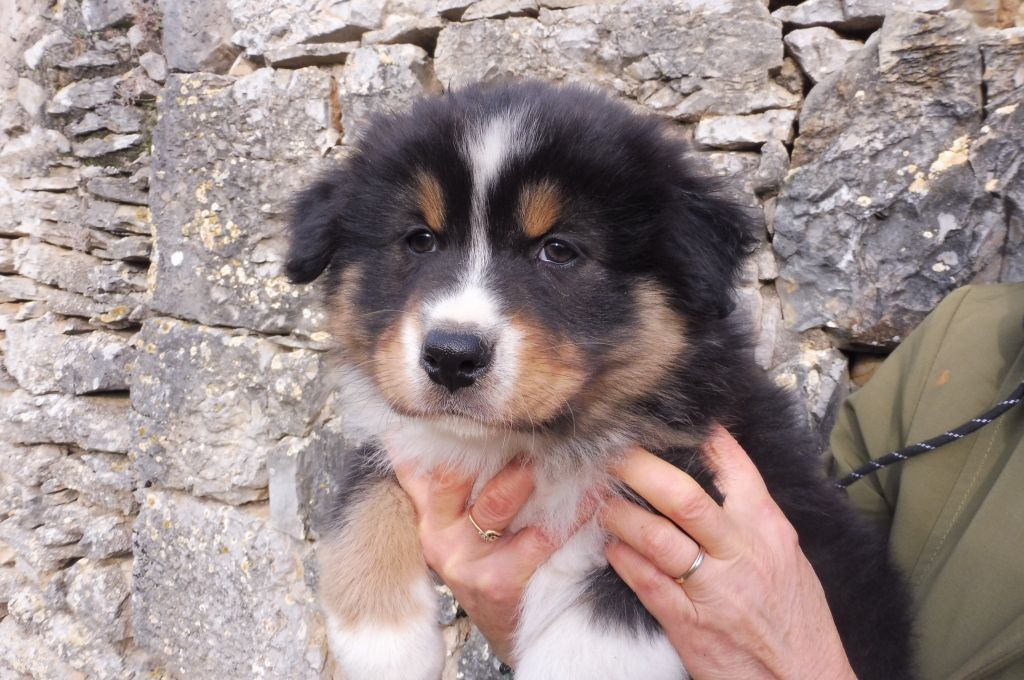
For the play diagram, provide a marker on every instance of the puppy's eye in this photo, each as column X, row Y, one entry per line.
column 558, row 252
column 421, row 241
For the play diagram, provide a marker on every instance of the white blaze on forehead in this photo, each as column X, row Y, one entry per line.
column 488, row 148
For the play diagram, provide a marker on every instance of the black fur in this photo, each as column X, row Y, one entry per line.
column 637, row 211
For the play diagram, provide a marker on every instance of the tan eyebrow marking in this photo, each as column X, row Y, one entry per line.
column 430, row 199
column 540, row 207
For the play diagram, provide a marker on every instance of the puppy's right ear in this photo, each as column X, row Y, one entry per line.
column 316, row 227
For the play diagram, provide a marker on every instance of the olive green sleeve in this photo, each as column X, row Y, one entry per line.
column 875, row 419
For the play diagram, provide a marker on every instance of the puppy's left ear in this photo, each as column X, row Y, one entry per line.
column 708, row 239
column 316, row 227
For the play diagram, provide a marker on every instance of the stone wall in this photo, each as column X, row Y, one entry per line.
column 167, row 432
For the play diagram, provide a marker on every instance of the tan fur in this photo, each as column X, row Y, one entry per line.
column 551, row 372
column 430, row 199
column 388, row 366
column 366, row 569
column 638, row 362
column 540, row 207
column 343, row 322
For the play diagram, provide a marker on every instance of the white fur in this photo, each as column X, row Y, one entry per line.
column 573, row 646
column 555, row 638
column 470, row 304
column 413, row 650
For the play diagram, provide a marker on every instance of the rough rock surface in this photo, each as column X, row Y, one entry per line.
column 670, row 56
column 869, row 246
column 820, row 51
column 380, row 79
column 213, row 585
column 232, row 154
column 207, row 436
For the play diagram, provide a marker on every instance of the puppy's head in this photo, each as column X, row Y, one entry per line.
column 517, row 255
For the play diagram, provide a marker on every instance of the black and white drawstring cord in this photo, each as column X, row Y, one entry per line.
column 908, row 452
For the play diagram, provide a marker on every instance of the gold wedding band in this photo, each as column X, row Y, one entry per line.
column 699, row 560
column 486, row 535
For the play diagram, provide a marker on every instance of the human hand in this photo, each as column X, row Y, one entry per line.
column 488, row 579
column 754, row 608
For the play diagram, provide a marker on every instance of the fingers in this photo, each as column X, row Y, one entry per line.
column 446, row 497
column 656, row 538
column 680, row 498
column 735, row 474
column 503, row 497
column 659, row 593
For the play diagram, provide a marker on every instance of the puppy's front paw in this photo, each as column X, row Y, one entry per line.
column 411, row 650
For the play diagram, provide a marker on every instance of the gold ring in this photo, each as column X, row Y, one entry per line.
column 699, row 560
column 486, row 535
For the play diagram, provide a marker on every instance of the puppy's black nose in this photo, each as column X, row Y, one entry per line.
column 455, row 359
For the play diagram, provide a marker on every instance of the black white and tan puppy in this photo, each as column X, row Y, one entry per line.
column 526, row 270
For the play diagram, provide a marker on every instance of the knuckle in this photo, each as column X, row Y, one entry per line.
column 649, row 584
column 496, row 504
column 689, row 508
column 660, row 542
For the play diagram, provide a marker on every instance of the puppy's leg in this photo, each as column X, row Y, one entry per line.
column 566, row 630
column 379, row 601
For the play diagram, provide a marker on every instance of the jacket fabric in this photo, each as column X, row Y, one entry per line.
column 955, row 516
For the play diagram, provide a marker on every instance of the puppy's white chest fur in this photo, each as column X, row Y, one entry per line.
column 555, row 622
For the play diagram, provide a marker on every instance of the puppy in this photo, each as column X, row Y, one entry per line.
column 519, row 269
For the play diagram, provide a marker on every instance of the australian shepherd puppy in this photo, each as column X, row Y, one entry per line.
column 525, row 270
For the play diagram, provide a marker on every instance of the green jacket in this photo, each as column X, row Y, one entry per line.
column 955, row 516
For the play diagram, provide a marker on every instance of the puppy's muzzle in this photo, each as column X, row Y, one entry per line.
column 455, row 359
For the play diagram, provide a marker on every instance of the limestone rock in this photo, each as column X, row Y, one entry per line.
column 199, row 432
column 264, row 25
column 94, row 147
column 7, row 256
column 818, row 375
column 25, row 658
column 99, row 14
column 771, row 172
column 107, row 536
column 235, row 608
column 297, row 56
column 99, row 423
column 116, row 189
column 37, row 51
column 750, row 131
column 197, row 35
column 113, row 118
column 682, row 59
column 1003, row 56
column 820, row 51
column 908, row 222
column 812, row 13
column 155, row 65
column 32, row 98
column 48, row 355
column 379, row 79
column 304, row 474
column 97, row 594
column 997, row 159
column 499, row 9
column 74, row 271
column 84, row 94
column 102, row 480
column 419, row 31
column 228, row 157
column 477, row 661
